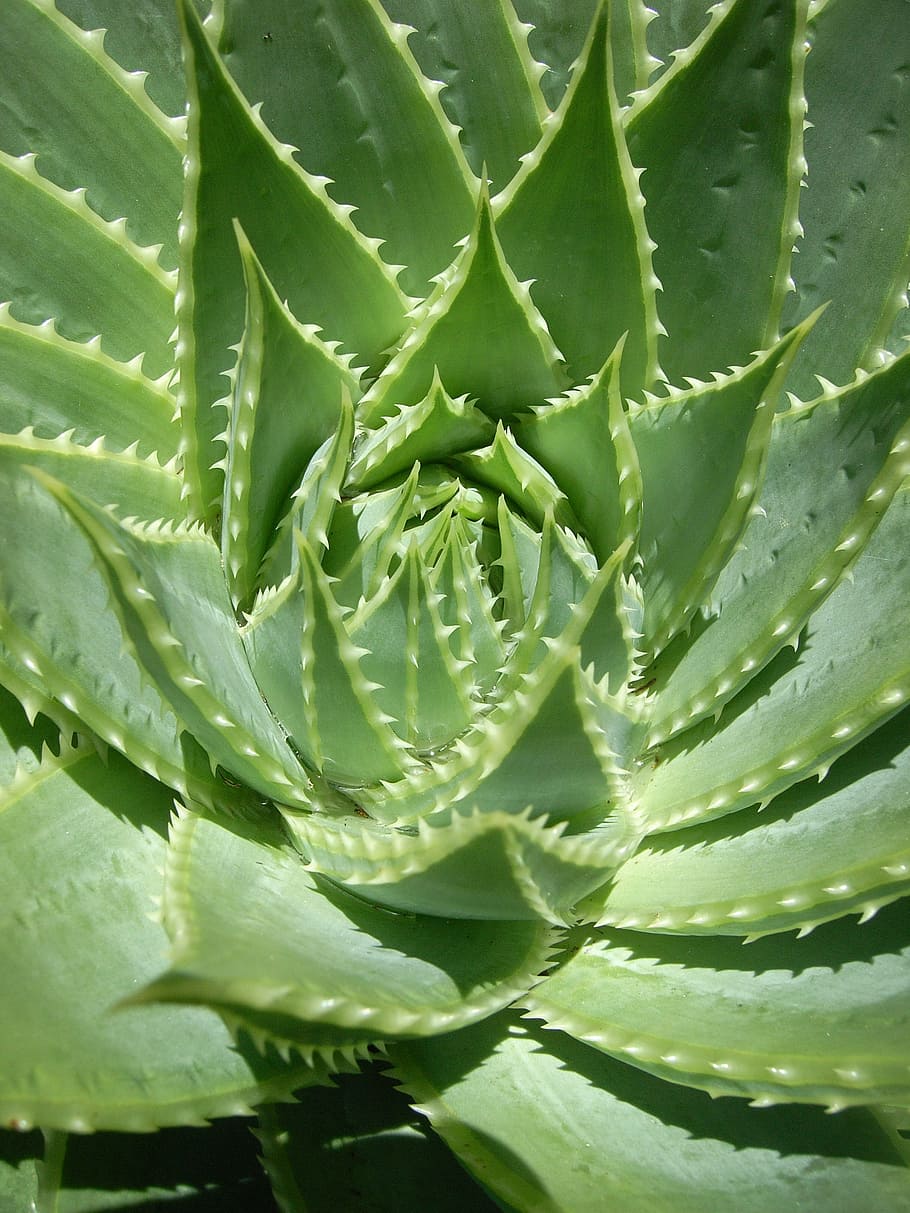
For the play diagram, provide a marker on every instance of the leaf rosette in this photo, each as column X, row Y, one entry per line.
column 498, row 599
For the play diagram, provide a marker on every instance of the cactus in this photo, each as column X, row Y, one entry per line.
column 428, row 664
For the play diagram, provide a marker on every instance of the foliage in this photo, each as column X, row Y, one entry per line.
column 484, row 613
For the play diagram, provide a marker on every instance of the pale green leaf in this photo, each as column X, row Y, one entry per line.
column 549, row 1125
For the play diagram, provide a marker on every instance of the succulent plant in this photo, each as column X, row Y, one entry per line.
column 427, row 665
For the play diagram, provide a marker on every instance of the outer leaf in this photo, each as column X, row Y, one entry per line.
column 337, row 280
column 68, row 643
column 562, row 225
column 817, row 853
column 851, row 674
column 556, row 39
column 57, row 386
column 316, row 955
column 832, row 469
column 856, row 251
column 145, row 36
column 823, row 1020
column 119, row 479
column 168, row 588
column 58, row 111
column 381, row 133
column 720, row 183
column 491, row 84
column 85, row 273
column 81, row 843
column 701, row 456
column 535, row 1115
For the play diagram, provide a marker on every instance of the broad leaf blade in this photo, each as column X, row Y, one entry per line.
column 720, row 184
column 309, row 248
column 535, row 1115
column 856, row 250
column 820, row 1020
column 82, row 843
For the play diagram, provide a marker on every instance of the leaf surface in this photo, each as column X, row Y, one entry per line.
column 534, row 1115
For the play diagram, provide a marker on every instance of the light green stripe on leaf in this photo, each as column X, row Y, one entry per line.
column 820, row 1020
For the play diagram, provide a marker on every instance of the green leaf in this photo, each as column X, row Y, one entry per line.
column 121, row 479
column 476, row 298
column 701, row 454
column 434, row 428
column 310, row 672
column 168, row 587
column 583, row 441
column 677, row 23
column 507, row 469
column 63, row 261
column 833, row 466
column 68, row 644
column 140, row 37
column 58, row 111
column 556, row 38
column 848, row 676
column 535, row 1116
column 494, row 866
column 341, row 84
column 817, row 853
column 721, row 181
column 81, row 845
column 856, row 250
column 315, row 955
column 466, row 605
column 560, row 225
column 823, row 1020
column 479, row 51
column 287, row 402
column 406, row 654
column 57, row 386
column 309, row 248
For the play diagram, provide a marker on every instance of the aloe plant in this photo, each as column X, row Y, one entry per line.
column 425, row 666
